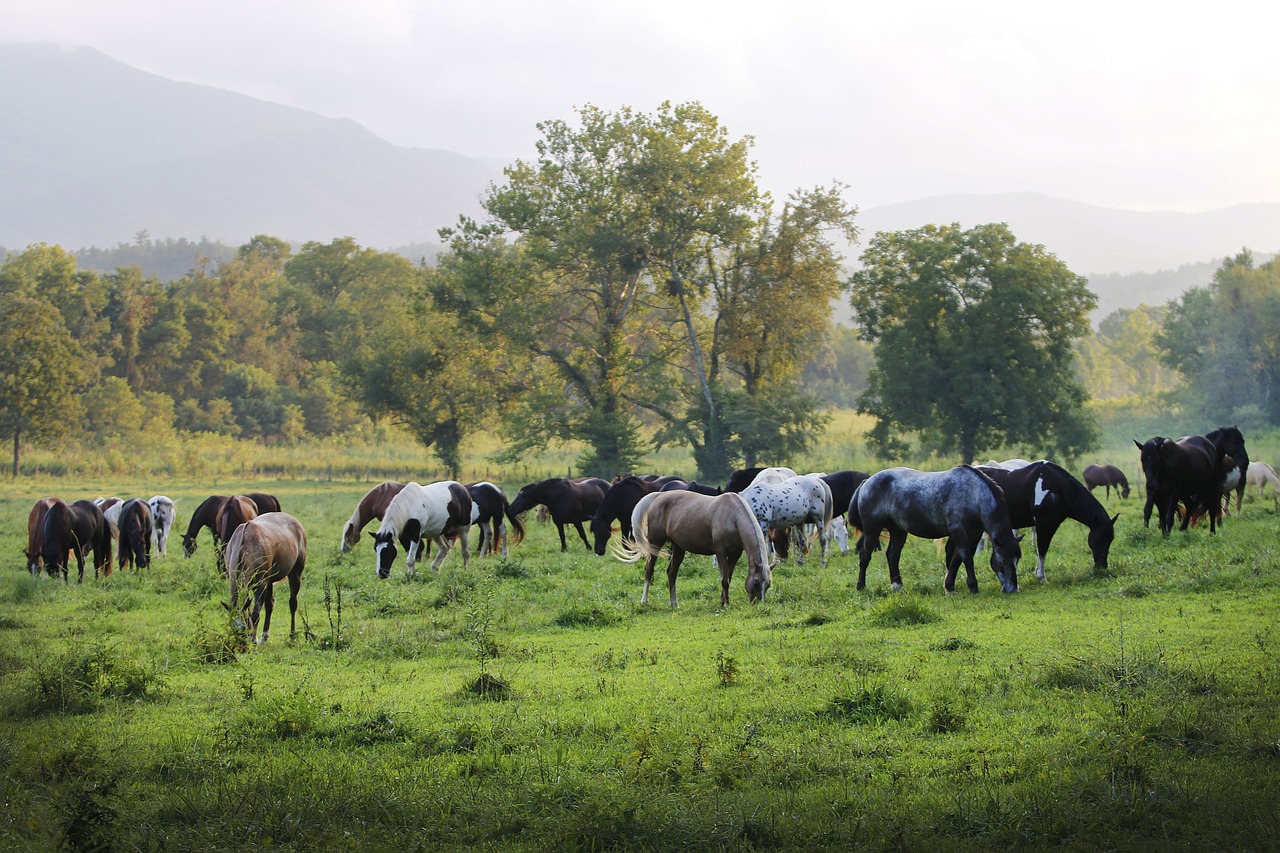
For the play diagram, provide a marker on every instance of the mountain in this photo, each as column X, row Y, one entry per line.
column 93, row 151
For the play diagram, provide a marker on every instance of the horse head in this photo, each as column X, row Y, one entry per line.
column 1006, row 551
column 384, row 549
column 1100, row 539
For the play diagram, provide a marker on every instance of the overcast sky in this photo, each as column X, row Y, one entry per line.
column 1139, row 105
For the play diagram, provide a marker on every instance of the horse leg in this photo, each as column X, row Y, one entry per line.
column 442, row 549
column 1044, row 534
column 893, row 553
column 564, row 546
column 648, row 576
column 949, row 574
column 269, row 599
column 582, row 534
column 465, row 536
column 500, row 534
column 867, row 544
column 295, row 583
column 673, row 568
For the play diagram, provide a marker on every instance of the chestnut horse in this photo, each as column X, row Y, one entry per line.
column 35, row 534
column 373, row 505
column 232, row 513
column 207, row 513
column 263, row 551
column 692, row 523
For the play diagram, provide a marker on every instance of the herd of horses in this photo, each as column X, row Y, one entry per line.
column 760, row 513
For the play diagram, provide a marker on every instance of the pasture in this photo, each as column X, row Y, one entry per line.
column 533, row 703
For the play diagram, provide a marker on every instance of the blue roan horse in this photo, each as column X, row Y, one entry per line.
column 960, row 504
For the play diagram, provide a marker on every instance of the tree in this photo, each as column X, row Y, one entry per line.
column 973, row 333
column 41, row 369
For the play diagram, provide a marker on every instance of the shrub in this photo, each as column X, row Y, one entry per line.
column 870, row 705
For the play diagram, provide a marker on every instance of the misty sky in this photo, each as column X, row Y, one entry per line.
column 1126, row 104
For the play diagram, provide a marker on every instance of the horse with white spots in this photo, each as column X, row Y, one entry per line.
column 431, row 512
column 163, row 513
column 1042, row 496
column 795, row 502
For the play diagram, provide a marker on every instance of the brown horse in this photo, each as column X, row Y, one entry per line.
column 373, row 505
column 723, row 525
column 263, row 551
column 569, row 501
column 78, row 528
column 35, row 534
column 232, row 513
column 206, row 514
column 135, row 529
column 1106, row 476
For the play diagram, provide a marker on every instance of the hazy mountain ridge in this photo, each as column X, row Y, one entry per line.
column 93, row 151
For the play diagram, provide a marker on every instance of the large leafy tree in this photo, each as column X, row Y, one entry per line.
column 973, row 333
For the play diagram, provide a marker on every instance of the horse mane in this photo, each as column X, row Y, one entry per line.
column 400, row 510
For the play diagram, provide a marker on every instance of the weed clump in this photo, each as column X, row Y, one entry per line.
column 587, row 616
column 870, row 705
column 490, row 687
column 74, row 681
column 902, row 610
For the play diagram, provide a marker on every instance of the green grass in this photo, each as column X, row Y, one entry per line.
column 532, row 703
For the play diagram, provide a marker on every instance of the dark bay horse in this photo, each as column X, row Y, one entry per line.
column 1106, row 476
column 960, row 504
column 206, row 514
column 136, row 529
column 373, row 505
column 619, row 501
column 232, row 512
column 568, row 501
column 491, row 511
column 1042, row 496
column 1186, row 471
column 78, row 527
column 1235, row 462
column 35, row 534
column 693, row 523
column 742, row 478
column 266, row 549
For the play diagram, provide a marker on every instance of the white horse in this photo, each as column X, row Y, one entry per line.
column 111, row 512
column 1261, row 474
column 773, row 475
column 796, row 501
column 423, row 512
column 163, row 512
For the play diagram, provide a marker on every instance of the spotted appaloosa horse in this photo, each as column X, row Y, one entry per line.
column 795, row 502
column 163, row 513
column 960, row 504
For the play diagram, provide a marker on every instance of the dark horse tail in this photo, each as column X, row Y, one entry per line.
column 516, row 524
column 855, row 518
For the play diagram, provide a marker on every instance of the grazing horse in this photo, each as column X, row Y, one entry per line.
column 491, row 511
column 678, row 485
column 1235, row 462
column 232, row 512
column 373, row 505
column 693, row 523
column 136, row 525
column 1042, row 495
column 77, row 527
column 422, row 512
column 35, row 534
column 795, row 502
column 111, row 512
column 206, row 514
column 617, row 504
column 1187, row 471
column 264, row 550
column 1106, row 476
column 1260, row 474
column 741, row 478
column 960, row 504
column 163, row 513
column 568, row 501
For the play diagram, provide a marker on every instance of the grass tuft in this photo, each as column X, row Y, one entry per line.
column 901, row 610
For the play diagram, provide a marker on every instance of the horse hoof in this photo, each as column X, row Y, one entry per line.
column 895, row 587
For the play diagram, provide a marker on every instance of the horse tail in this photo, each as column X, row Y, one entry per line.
column 516, row 524
column 855, row 517
column 638, row 547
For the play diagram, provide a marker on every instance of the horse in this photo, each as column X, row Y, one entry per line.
column 1148, row 457
column 373, row 505
column 134, row 519
column 617, row 504
column 264, row 550
column 35, row 534
column 568, row 501
column 799, row 500
column 1235, row 458
column 423, row 512
column 959, row 504
column 692, row 523
column 163, row 513
column 843, row 484
column 491, row 511
column 1106, row 476
column 1042, row 495
column 678, row 485
column 207, row 513
column 1189, row 471
column 232, row 512
column 741, row 478
column 111, row 512
column 1261, row 474
column 77, row 527
column 772, row 475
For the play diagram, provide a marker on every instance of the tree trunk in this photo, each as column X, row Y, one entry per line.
column 16, row 435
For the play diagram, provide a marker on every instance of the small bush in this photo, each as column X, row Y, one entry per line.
column 218, row 645
column 587, row 616
column 490, row 687
column 952, row 644
column 75, row 680
column 944, row 718
column 902, row 610
column 511, row 569
column 870, row 705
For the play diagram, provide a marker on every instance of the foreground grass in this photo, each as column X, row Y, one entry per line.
column 532, row 703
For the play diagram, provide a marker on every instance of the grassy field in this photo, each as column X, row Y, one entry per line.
column 532, row 703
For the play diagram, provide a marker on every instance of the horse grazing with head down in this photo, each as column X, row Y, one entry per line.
column 1188, row 472
column 206, row 515
column 1106, row 476
column 568, row 501
column 266, row 549
column 35, row 534
column 692, row 523
column 1041, row 496
column 619, row 502
column 136, row 525
column 960, row 504
column 373, row 505
column 78, row 527
column 434, row 511
column 163, row 513
column 490, row 511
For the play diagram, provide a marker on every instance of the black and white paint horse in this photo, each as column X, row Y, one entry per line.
column 431, row 512
column 491, row 511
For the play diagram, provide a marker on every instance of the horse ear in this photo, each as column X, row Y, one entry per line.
column 373, row 536
column 1114, row 519
column 1139, row 443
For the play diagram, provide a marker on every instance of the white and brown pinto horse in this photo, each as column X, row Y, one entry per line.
column 692, row 523
column 432, row 512
column 263, row 551
column 373, row 505
column 163, row 513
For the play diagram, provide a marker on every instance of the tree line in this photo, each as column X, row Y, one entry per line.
column 631, row 285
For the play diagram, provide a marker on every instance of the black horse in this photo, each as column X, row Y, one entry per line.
column 1106, row 476
column 1235, row 462
column 136, row 526
column 78, row 527
column 619, row 502
column 1042, row 495
column 741, row 478
column 843, row 484
column 1187, row 471
column 568, row 501
column 206, row 515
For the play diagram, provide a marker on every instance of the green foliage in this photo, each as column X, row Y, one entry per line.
column 902, row 610
column 870, row 706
